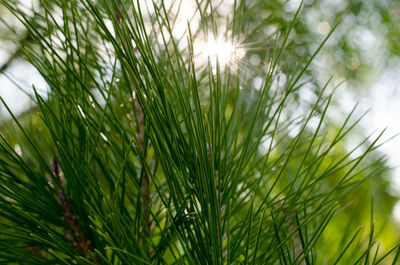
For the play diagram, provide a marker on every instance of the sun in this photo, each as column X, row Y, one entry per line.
column 218, row 50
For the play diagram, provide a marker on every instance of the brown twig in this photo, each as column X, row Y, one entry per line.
column 117, row 14
column 145, row 187
column 35, row 250
column 293, row 229
column 74, row 231
column 140, row 128
column 145, row 180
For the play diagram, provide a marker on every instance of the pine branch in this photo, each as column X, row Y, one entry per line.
column 211, row 195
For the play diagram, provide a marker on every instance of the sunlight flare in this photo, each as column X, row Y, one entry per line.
column 218, row 50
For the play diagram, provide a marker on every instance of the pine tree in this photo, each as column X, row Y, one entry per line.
column 153, row 147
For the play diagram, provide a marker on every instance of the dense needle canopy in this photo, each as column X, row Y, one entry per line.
column 155, row 144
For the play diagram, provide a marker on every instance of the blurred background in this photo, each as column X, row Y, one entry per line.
column 362, row 57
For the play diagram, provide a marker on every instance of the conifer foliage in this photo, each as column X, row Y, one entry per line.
column 153, row 147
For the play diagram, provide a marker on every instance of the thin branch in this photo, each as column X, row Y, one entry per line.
column 16, row 54
column 146, row 182
column 79, row 240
